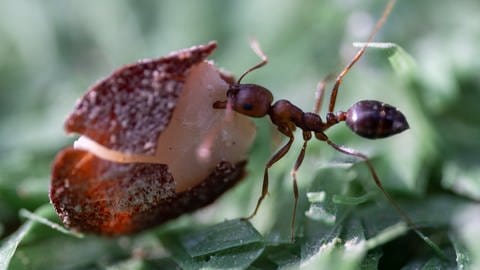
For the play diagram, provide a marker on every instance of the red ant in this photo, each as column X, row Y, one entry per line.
column 367, row 118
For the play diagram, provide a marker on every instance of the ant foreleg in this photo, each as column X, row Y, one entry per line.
column 276, row 157
column 359, row 54
column 204, row 149
column 306, row 137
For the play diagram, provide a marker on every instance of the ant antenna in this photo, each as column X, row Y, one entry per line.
column 359, row 54
column 258, row 51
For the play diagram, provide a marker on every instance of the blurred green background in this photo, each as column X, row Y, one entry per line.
column 52, row 51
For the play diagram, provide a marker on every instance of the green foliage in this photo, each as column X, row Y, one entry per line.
column 52, row 51
column 232, row 245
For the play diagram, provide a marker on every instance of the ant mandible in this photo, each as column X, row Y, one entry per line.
column 367, row 118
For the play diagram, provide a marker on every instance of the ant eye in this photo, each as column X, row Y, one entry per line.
column 247, row 107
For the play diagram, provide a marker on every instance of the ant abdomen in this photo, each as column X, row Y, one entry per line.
column 373, row 119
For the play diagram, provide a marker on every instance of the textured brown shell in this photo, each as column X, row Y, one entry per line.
column 127, row 112
column 95, row 195
column 129, row 109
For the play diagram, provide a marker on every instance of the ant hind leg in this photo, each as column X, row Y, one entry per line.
column 376, row 179
column 387, row 195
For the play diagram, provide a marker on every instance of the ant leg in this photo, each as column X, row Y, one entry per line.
column 399, row 210
column 276, row 157
column 258, row 51
column 306, row 136
column 387, row 195
column 359, row 54
column 320, row 93
column 373, row 173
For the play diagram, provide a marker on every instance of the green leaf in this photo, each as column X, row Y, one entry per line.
column 232, row 244
column 387, row 235
column 467, row 246
column 402, row 62
column 463, row 255
column 462, row 178
column 26, row 249
column 132, row 264
column 9, row 246
column 345, row 251
column 65, row 252
column 371, row 260
column 316, row 197
column 225, row 235
column 39, row 219
column 351, row 200
column 328, row 183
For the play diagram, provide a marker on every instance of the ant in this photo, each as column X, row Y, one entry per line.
column 367, row 118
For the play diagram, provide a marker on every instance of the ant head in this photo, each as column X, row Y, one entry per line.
column 250, row 99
